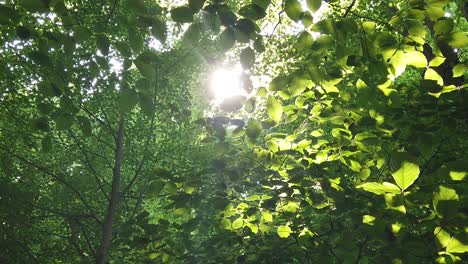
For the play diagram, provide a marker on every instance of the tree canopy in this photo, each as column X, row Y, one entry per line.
column 347, row 141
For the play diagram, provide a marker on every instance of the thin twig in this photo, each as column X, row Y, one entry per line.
column 349, row 8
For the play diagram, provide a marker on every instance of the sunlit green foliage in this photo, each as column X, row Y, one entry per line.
column 350, row 145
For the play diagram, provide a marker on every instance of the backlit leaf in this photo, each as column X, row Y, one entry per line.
column 64, row 121
column 431, row 74
column 406, row 174
column 238, row 223
column 314, row 5
column 458, row 40
column 103, row 43
column 155, row 188
column 254, row 128
column 159, row 30
column 284, row 231
column 182, row 14
column 127, row 100
column 247, row 58
column 252, row 12
column 226, row 39
column 267, row 217
column 225, row 223
column 416, row 59
column 293, row 9
column 459, row 70
column 274, row 109
column 380, row 188
column 444, row 201
column 196, row 5
column 262, row 3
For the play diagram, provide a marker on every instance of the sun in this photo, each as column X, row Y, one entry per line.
column 226, row 83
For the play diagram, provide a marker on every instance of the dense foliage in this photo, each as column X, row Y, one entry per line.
column 349, row 145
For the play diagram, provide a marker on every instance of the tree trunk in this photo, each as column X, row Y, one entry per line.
column 114, row 198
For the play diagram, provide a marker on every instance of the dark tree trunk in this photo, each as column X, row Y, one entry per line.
column 114, row 199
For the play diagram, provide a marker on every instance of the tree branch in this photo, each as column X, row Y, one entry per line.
column 349, row 8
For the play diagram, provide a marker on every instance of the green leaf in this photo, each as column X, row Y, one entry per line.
column 23, row 32
column 291, row 207
column 146, row 104
column 249, row 105
column 102, row 43
column 46, row 144
column 226, row 16
column 430, row 74
column 455, row 246
column 443, row 238
column 247, row 58
column 249, row 28
column 416, row 59
column 82, row 34
column 458, row 40
column 182, row 14
column 8, row 15
column 34, row 5
column 278, row 83
column 252, row 227
column 274, row 109
column 293, row 9
column 459, row 70
column 252, row 12
column 457, row 170
column 159, row 30
column 254, row 128
column 406, row 174
column 171, row 188
column 193, row 33
column 49, row 89
column 436, row 61
column 227, row 39
column 137, row 5
column 155, row 188
column 368, row 219
column 324, row 26
column 314, row 5
column 196, row 5
column 238, row 223
column 267, row 217
column 445, row 201
column 284, row 231
column 146, row 70
column 253, row 198
column 181, row 211
column 225, row 223
column 136, row 40
column 443, row 26
column 262, row 92
column 430, row 86
column 304, row 41
column 395, row 202
column 262, row 3
column 232, row 103
column 127, row 100
column 380, row 188
column 41, row 58
column 85, row 125
column 41, row 124
column 450, row 243
column 64, row 121
column 124, row 48
column 307, row 19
